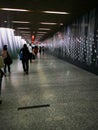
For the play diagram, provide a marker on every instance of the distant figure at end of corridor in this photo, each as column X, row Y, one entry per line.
column 43, row 49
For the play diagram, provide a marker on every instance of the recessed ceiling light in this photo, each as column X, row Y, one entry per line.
column 48, row 23
column 54, row 12
column 61, row 24
column 10, row 9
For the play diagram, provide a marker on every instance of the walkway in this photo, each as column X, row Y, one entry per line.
column 55, row 95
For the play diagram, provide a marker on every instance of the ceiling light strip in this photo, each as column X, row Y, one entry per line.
column 48, row 23
column 10, row 9
column 44, row 29
column 41, row 32
column 20, row 22
column 22, row 28
column 54, row 12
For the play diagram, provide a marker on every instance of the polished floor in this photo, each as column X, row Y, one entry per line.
column 55, row 95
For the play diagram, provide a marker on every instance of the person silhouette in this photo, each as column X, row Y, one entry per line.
column 7, row 59
column 25, row 58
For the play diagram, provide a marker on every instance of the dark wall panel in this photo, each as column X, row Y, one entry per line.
column 78, row 42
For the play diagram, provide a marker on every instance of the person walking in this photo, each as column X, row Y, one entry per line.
column 25, row 58
column 43, row 49
column 7, row 59
column 36, row 51
column 40, row 49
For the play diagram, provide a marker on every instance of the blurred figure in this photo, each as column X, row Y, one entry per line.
column 43, row 49
column 33, row 53
column 36, row 51
column 1, row 75
column 30, row 52
column 40, row 50
column 25, row 58
column 7, row 59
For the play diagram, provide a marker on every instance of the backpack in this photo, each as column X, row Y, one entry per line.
column 21, row 55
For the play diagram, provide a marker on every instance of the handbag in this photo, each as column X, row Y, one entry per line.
column 1, row 62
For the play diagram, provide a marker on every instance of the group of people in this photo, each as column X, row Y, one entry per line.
column 28, row 53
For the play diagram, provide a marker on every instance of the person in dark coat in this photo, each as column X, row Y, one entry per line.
column 25, row 58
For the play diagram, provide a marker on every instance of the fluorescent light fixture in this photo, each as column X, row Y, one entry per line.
column 42, row 32
column 25, row 32
column 10, row 9
column 48, row 23
column 19, row 22
column 44, row 29
column 54, row 12
column 23, row 28
column 39, row 34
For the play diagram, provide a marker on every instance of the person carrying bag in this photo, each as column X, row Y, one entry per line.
column 7, row 59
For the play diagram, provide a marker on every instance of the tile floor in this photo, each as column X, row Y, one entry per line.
column 69, row 93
